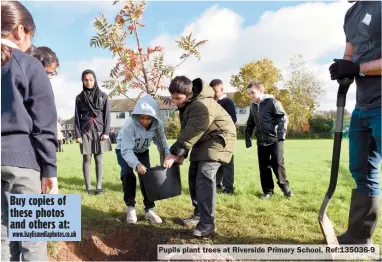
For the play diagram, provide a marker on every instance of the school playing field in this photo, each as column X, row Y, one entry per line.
column 242, row 218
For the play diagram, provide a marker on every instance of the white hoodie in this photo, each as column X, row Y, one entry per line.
column 134, row 138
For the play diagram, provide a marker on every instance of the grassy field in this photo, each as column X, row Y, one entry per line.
column 241, row 218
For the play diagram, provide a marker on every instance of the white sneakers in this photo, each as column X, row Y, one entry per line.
column 153, row 217
column 131, row 215
column 150, row 215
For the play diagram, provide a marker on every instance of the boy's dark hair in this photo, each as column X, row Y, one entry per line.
column 215, row 82
column 181, row 85
column 45, row 55
column 257, row 85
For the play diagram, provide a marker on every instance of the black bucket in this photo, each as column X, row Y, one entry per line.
column 161, row 183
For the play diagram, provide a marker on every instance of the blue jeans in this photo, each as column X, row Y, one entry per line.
column 365, row 150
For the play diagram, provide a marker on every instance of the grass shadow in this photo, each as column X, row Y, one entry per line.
column 79, row 183
column 177, row 220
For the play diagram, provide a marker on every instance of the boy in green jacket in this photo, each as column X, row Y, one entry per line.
column 209, row 131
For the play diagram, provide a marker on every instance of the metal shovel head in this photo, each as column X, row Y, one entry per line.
column 161, row 183
column 326, row 225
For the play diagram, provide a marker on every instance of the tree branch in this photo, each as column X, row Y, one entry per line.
column 129, row 98
column 156, row 86
column 140, row 54
column 112, row 36
column 132, row 73
column 184, row 59
column 161, row 75
column 136, row 77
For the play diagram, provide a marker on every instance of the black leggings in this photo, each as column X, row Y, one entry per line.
column 86, row 170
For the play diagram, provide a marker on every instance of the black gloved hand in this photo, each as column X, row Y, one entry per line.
column 248, row 143
column 341, row 69
column 281, row 137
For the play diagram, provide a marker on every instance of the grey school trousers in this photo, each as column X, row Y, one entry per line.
column 16, row 180
column 202, row 185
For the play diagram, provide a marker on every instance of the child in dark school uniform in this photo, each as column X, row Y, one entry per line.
column 92, row 124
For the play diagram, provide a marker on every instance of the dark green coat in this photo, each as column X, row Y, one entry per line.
column 206, row 128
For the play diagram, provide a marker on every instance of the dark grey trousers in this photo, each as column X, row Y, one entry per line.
column 86, row 170
column 15, row 180
column 226, row 175
column 202, row 185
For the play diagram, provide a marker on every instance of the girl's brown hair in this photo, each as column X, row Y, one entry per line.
column 13, row 14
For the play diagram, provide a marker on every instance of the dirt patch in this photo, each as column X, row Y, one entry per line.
column 129, row 245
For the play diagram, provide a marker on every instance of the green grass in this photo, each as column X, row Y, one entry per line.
column 242, row 218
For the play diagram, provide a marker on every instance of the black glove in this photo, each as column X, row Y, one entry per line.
column 248, row 143
column 177, row 150
column 341, row 69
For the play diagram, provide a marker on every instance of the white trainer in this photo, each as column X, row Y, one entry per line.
column 153, row 217
column 131, row 217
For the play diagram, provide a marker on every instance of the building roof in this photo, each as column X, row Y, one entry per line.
column 69, row 121
column 126, row 105
column 123, row 105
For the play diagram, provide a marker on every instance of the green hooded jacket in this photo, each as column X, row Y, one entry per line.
column 206, row 128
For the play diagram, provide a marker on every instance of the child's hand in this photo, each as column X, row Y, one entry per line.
column 141, row 169
column 51, row 183
column 180, row 160
column 104, row 137
column 169, row 160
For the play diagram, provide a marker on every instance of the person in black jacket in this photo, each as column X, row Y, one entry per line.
column 47, row 57
column 28, row 126
column 269, row 120
column 226, row 172
column 92, row 124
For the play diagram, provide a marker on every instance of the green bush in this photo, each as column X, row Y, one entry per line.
column 291, row 134
column 172, row 128
column 320, row 124
column 240, row 132
column 321, row 127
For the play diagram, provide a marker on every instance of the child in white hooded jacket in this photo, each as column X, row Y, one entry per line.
column 132, row 151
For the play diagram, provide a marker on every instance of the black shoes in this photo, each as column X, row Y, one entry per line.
column 89, row 191
column 266, row 195
column 223, row 190
column 287, row 192
column 99, row 192
column 94, row 192
column 204, row 230
column 228, row 191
